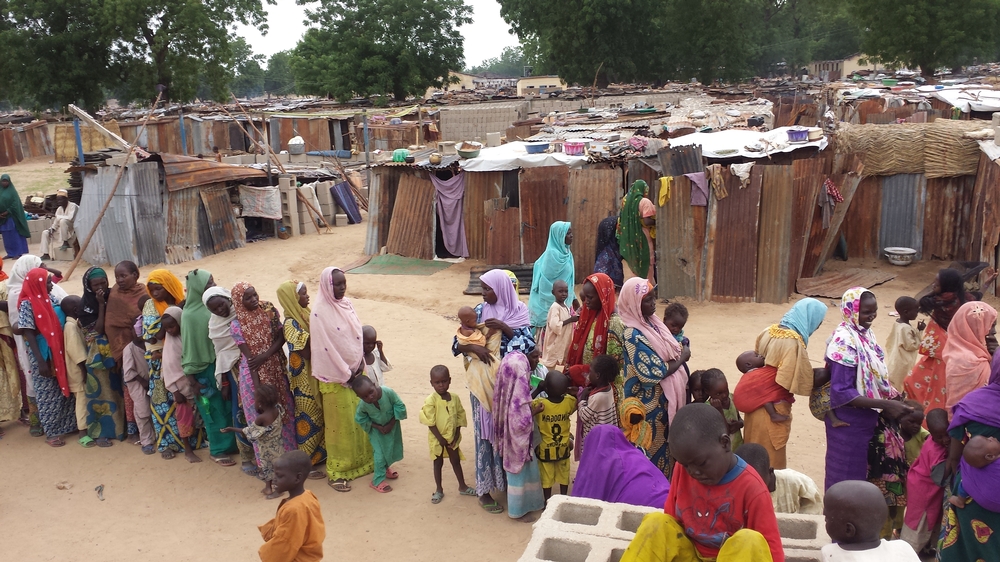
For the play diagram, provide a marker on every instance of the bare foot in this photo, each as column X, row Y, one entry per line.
column 168, row 454
column 778, row 418
column 191, row 457
column 956, row 501
column 274, row 495
column 266, row 490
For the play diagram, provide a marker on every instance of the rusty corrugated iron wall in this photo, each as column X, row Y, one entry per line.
column 594, row 194
column 861, row 224
column 503, row 243
column 479, row 186
column 10, row 151
column 225, row 233
column 731, row 255
column 902, row 221
column 948, row 218
column 411, row 230
column 680, row 241
column 988, row 219
column 147, row 213
column 809, row 175
column 775, row 232
column 544, row 198
column 183, row 243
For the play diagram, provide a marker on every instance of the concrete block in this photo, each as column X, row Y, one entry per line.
column 58, row 254
column 572, row 548
column 803, row 532
column 566, row 514
column 796, row 555
column 232, row 160
column 298, row 158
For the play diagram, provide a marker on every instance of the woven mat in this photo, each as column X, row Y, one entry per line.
column 398, row 265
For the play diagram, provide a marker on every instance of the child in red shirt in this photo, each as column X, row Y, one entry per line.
column 716, row 508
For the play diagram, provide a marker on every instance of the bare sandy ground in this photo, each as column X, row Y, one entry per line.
column 174, row 511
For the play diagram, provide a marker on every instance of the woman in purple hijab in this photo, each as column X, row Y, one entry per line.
column 973, row 531
column 614, row 470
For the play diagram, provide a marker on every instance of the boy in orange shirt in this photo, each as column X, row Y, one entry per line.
column 297, row 531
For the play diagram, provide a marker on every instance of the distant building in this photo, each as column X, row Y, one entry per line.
column 534, row 85
column 833, row 70
column 465, row 82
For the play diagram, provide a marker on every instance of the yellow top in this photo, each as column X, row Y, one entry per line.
column 447, row 416
column 553, row 425
column 784, row 349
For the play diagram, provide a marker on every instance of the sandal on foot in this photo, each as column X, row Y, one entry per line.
column 339, row 485
column 36, row 431
column 391, row 474
column 316, row 475
column 382, row 488
column 168, row 454
column 492, row 507
column 148, row 449
column 104, row 443
column 223, row 461
column 86, row 442
column 436, row 497
column 55, row 442
column 470, row 491
column 250, row 470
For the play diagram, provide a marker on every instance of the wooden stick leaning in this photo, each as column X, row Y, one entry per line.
column 312, row 211
column 267, row 152
column 114, row 188
column 362, row 202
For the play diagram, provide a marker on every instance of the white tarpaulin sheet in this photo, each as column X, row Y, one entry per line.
column 260, row 202
column 721, row 144
column 990, row 148
column 513, row 156
column 967, row 99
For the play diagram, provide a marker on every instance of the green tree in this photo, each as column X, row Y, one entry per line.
column 174, row 42
column 52, row 55
column 929, row 34
column 797, row 32
column 394, row 48
column 510, row 64
column 278, row 78
column 616, row 40
column 248, row 80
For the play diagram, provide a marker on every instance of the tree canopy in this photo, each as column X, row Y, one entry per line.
column 510, row 64
column 394, row 48
column 278, row 79
column 929, row 34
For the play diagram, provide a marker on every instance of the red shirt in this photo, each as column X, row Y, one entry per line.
column 712, row 514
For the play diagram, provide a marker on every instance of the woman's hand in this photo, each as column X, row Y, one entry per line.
column 179, row 398
column 685, row 354
column 44, row 370
column 895, row 409
column 495, row 324
column 482, row 353
column 256, row 361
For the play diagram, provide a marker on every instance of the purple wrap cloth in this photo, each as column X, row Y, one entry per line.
column 512, row 420
column 981, row 405
column 613, row 470
column 699, row 189
column 449, row 211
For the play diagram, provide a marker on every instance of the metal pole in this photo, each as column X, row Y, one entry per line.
column 79, row 141
column 184, row 139
column 364, row 123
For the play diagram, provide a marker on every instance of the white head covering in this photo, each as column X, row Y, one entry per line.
column 227, row 353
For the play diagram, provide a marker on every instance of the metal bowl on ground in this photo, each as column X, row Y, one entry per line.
column 901, row 256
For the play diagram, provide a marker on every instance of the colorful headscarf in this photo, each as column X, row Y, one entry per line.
column 512, row 420
column 288, row 298
column 855, row 347
column 508, row 309
column 614, row 470
column 199, row 352
column 804, row 318
column 119, row 318
column 555, row 264
column 35, row 291
column 596, row 320
column 335, row 334
column 3, row 274
column 656, row 332
column 966, row 358
column 168, row 281
column 631, row 238
column 227, row 353
column 89, row 305
column 514, row 280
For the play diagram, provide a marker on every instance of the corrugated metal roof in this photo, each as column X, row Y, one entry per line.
column 183, row 172
column 147, row 213
column 544, row 196
column 902, row 221
column 775, row 232
column 183, row 243
column 411, row 231
column 731, row 271
column 948, row 218
column 479, row 186
column 677, row 161
column 594, row 194
column 225, row 233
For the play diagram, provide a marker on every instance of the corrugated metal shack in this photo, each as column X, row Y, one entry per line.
column 167, row 208
column 20, row 142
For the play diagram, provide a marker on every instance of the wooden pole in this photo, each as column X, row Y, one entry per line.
column 114, row 188
column 267, row 145
column 264, row 146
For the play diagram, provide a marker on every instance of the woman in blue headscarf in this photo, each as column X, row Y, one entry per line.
column 783, row 346
column 555, row 264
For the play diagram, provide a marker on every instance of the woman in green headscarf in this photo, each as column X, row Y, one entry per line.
column 13, row 225
column 632, row 238
column 309, row 436
column 198, row 362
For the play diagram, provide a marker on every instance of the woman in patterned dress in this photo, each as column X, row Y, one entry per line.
column 165, row 290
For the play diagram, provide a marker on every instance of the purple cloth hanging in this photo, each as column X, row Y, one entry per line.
column 699, row 189
column 449, row 211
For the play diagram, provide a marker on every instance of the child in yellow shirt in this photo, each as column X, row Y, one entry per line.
column 443, row 414
column 552, row 419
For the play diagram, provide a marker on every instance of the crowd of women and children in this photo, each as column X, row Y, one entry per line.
column 911, row 429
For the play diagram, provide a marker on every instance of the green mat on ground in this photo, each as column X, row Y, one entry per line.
column 398, row 265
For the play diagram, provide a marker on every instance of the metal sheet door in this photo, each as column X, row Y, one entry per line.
column 594, row 195
column 544, row 199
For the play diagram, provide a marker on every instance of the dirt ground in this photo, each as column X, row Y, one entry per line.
column 40, row 174
column 175, row 511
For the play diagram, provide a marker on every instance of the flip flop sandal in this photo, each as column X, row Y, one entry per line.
column 104, row 443
column 223, row 461
column 391, row 474
column 250, row 470
column 492, row 507
column 470, row 491
column 55, row 442
column 148, row 450
column 36, row 431
column 382, row 488
column 316, row 475
column 436, row 497
column 339, row 485
column 87, row 442
column 168, row 454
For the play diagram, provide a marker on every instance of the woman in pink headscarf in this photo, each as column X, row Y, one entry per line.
column 337, row 356
column 970, row 346
column 653, row 390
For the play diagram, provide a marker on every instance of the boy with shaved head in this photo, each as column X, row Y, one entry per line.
column 297, row 531
column 855, row 511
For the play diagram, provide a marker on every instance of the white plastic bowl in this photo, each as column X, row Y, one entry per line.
column 899, row 255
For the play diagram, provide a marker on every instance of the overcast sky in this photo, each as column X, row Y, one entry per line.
column 485, row 38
